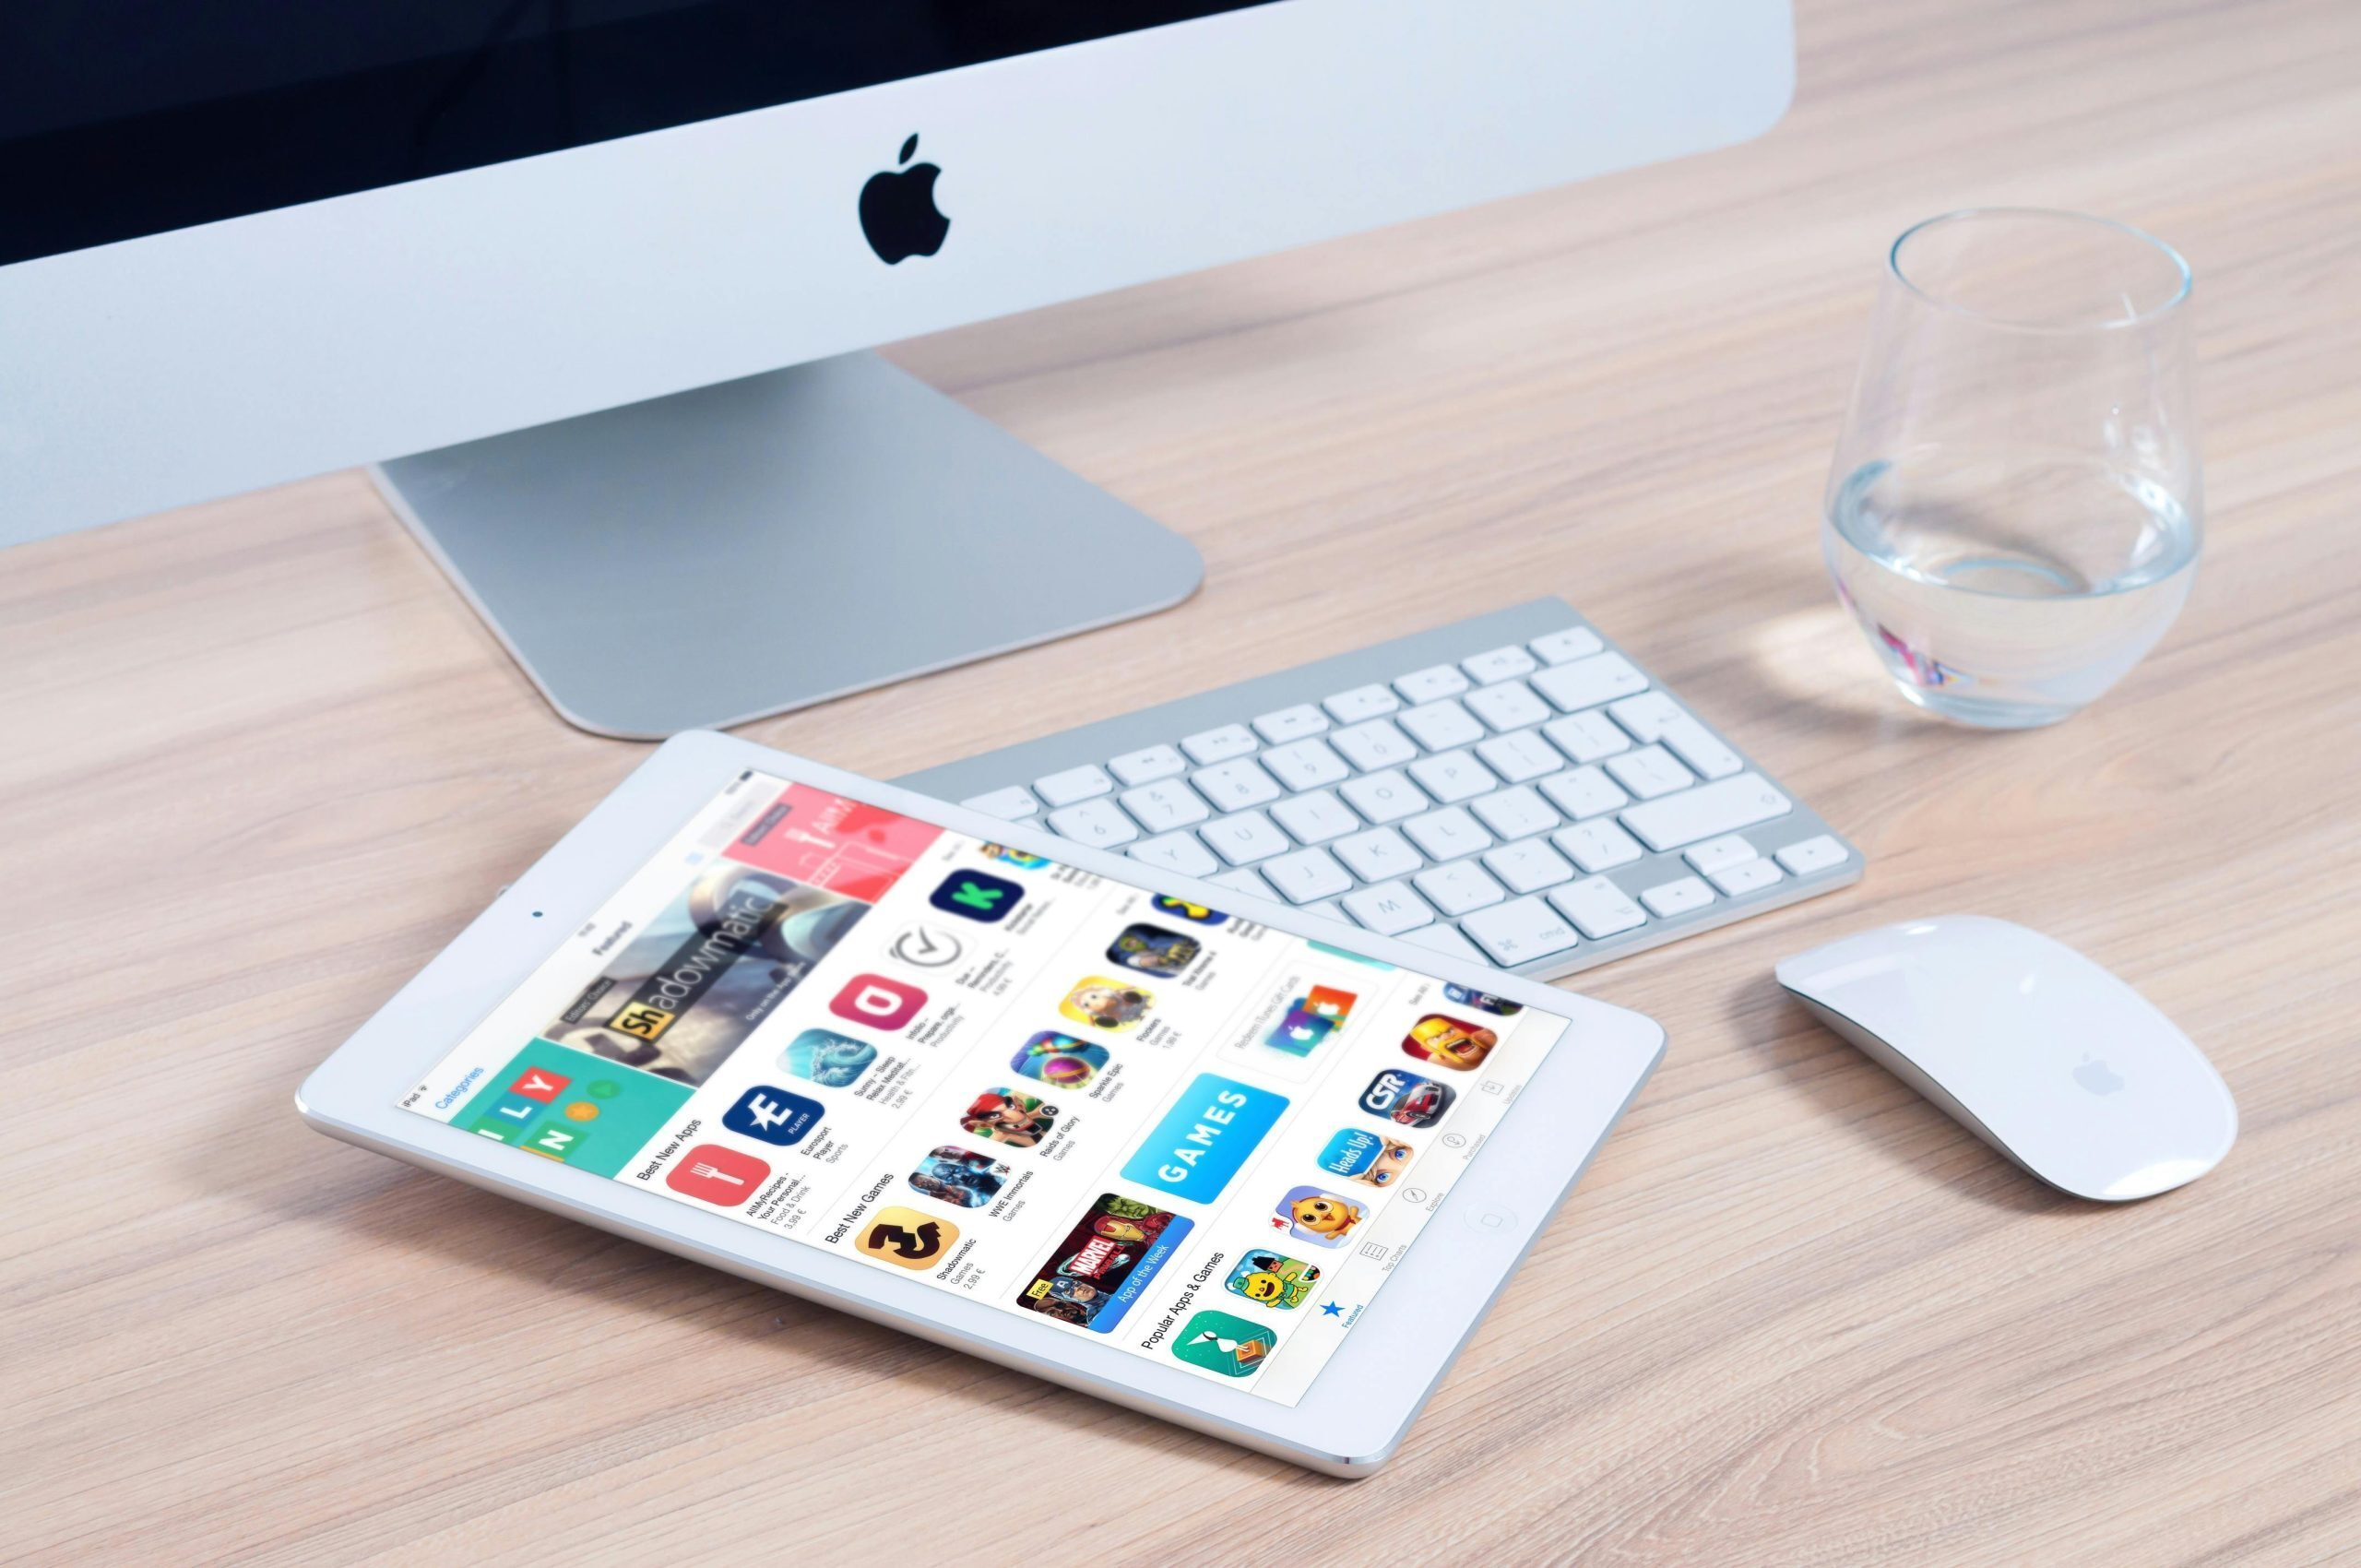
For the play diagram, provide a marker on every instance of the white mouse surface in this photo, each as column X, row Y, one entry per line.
column 2041, row 1053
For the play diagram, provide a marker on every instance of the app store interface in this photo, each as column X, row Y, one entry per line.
column 1177, row 1131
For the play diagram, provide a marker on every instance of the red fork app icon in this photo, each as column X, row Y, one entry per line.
column 720, row 1176
column 880, row 1002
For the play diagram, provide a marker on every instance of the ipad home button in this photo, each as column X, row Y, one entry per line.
column 1491, row 1220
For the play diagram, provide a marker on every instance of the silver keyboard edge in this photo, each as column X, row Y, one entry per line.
column 1379, row 663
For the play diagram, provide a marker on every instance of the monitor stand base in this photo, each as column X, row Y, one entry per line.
column 741, row 549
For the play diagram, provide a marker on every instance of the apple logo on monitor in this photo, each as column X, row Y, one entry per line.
column 897, row 212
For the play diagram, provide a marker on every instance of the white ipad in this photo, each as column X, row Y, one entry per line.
column 1239, row 1166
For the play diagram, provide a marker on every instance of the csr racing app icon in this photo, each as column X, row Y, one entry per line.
column 905, row 1238
column 1407, row 1099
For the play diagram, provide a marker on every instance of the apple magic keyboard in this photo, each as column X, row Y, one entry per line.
column 1511, row 787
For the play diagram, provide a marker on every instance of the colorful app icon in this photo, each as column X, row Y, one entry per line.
column 1358, row 1155
column 827, row 1058
column 1154, row 951
column 959, row 1176
column 1163, row 905
column 905, row 1238
column 535, row 1084
column 719, row 1176
column 1407, row 1099
column 1308, row 1213
column 1060, row 1060
column 1009, row 1116
column 772, row 1115
column 1447, row 1042
column 1220, row 1342
column 1017, row 858
column 1310, row 1019
column 815, row 839
column 976, row 896
column 880, row 1002
column 1108, row 1003
column 1483, row 1000
column 550, row 1100
column 925, row 947
column 1105, row 1263
column 1273, row 1279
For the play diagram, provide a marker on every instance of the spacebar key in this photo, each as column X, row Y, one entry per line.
column 1672, row 821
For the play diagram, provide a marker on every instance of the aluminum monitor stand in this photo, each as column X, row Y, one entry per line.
column 741, row 549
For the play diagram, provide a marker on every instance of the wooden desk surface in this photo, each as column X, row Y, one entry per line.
column 264, row 763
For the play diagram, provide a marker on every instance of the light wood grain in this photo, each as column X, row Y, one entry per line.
column 264, row 763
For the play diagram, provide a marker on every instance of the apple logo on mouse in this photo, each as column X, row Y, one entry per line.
column 898, row 217
column 2097, row 1077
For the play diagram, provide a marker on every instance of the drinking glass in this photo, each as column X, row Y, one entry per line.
column 2014, row 508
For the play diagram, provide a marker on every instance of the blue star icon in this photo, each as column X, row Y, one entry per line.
column 1333, row 1310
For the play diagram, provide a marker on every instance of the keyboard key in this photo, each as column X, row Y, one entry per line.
column 1314, row 818
column 1445, row 940
column 1244, row 880
column 1305, row 765
column 1389, row 908
column 1695, row 745
column 1455, row 889
column 1179, row 853
column 1147, row 766
column 1500, row 664
column 1649, row 772
column 1519, row 931
column 1453, row 777
column 1560, row 648
column 1374, row 746
column 1234, row 786
column 1747, row 876
column 1428, row 685
column 1510, row 705
column 1448, row 834
column 1361, row 703
column 1010, row 804
column 1677, row 897
column 1245, row 838
column 1439, row 726
column 1646, row 716
column 1587, row 737
column 1379, row 855
column 1515, row 814
column 1384, row 797
column 1597, row 846
column 1094, row 823
column 1584, row 791
column 1291, row 724
column 1707, row 812
column 1716, row 854
column 1162, row 807
column 1528, row 867
column 1587, row 682
column 1220, row 745
column 1812, row 854
column 1307, row 875
column 1520, row 756
column 1598, row 907
column 1074, row 784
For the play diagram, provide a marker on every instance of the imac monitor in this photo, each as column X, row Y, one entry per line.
column 592, row 281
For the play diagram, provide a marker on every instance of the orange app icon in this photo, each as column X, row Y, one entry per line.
column 905, row 1238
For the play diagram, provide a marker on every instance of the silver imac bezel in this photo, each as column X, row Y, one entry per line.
column 211, row 359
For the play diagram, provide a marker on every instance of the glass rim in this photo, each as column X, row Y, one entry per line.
column 2187, row 277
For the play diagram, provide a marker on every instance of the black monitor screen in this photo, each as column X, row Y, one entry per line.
column 127, row 118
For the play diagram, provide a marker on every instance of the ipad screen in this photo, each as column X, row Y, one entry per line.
column 1181, row 1133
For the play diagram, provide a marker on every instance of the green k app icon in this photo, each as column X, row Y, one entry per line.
column 976, row 896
